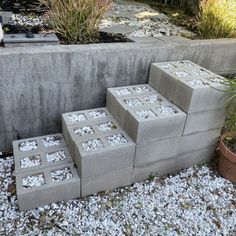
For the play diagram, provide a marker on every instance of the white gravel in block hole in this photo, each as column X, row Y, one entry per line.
column 116, row 139
column 166, row 110
column 166, row 66
column 123, row 92
column 76, row 117
column 141, row 89
column 185, row 63
column 106, row 126
column 28, row 146
column 92, row 145
column 97, row 114
column 61, row 174
column 153, row 99
column 52, row 141
column 200, row 72
column 216, row 80
column 146, row 114
column 132, row 102
column 181, row 74
column 31, row 161
column 197, row 82
column 56, row 156
column 86, row 130
column 33, row 181
column 195, row 201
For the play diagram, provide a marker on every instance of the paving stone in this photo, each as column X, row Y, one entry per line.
column 106, row 181
column 41, row 144
column 99, row 155
column 173, row 164
column 188, row 85
column 205, row 120
column 41, row 187
column 120, row 29
column 121, row 99
column 154, row 151
column 42, row 160
column 153, row 123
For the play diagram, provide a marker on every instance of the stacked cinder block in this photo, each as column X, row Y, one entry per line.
column 199, row 93
column 44, row 171
column 102, row 151
column 154, row 123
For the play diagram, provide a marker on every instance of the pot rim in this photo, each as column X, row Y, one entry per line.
column 224, row 149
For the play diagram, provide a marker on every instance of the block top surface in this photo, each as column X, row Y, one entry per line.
column 85, row 116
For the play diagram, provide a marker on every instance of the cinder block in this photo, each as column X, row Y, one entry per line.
column 200, row 94
column 90, row 129
column 205, row 120
column 173, row 164
column 98, row 155
column 82, row 118
column 155, row 151
column 155, row 123
column 42, row 160
column 198, row 141
column 32, row 146
column 50, row 190
column 121, row 99
column 108, row 181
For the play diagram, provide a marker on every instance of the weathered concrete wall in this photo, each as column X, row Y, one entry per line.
column 38, row 84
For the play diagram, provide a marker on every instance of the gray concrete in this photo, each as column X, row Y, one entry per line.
column 205, row 120
column 39, row 143
column 40, row 83
column 44, row 161
column 154, row 128
column 108, row 181
column 19, row 40
column 50, row 191
column 106, row 159
column 173, row 164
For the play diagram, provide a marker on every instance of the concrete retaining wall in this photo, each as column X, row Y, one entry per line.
column 38, row 84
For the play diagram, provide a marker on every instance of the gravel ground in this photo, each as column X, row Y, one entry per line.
column 193, row 202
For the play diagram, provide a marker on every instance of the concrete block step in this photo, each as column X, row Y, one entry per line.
column 44, row 186
column 189, row 86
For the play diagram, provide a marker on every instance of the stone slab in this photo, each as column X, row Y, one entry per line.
column 205, row 120
column 49, row 192
column 120, row 29
column 172, row 165
column 45, row 160
column 106, row 158
column 108, row 181
column 157, row 125
column 39, row 147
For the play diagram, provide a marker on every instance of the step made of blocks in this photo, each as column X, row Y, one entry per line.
column 44, row 186
column 189, row 86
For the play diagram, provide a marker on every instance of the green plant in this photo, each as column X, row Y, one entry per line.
column 231, row 104
column 217, row 19
column 76, row 20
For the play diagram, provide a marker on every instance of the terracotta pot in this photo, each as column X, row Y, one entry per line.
column 227, row 159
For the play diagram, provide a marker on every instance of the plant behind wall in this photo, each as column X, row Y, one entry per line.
column 76, row 20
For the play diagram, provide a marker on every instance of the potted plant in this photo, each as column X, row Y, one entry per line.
column 227, row 143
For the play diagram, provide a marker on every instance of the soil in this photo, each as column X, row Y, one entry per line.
column 230, row 142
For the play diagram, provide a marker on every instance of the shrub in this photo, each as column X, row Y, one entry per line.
column 217, row 19
column 76, row 20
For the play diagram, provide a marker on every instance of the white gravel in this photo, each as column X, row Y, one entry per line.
column 97, row 114
column 33, row 181
column 86, row 130
column 62, row 174
column 56, row 156
column 181, row 74
column 116, row 139
column 166, row 110
column 92, row 145
column 31, row 161
column 200, row 72
column 106, row 126
column 123, row 92
column 197, row 82
column 145, row 114
column 51, row 141
column 153, row 99
column 194, row 202
column 28, row 146
column 76, row 117
column 132, row 102
column 141, row 89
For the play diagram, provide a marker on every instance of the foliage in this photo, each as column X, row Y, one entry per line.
column 231, row 104
column 217, row 19
column 76, row 20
